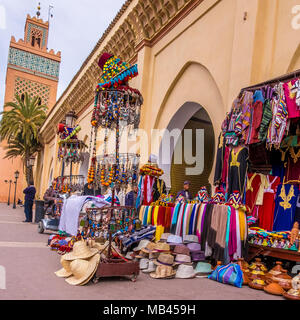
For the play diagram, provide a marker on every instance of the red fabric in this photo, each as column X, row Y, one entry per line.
column 251, row 196
column 290, row 100
column 266, row 211
column 256, row 121
column 105, row 56
column 225, row 165
column 292, row 173
column 168, row 218
column 146, row 191
column 161, row 216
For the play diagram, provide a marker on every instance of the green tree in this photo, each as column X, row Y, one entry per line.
column 19, row 126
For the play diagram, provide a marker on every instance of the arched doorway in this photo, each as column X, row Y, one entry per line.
column 191, row 154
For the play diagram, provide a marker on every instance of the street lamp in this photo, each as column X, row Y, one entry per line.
column 30, row 164
column 10, row 182
column 70, row 119
column 16, row 176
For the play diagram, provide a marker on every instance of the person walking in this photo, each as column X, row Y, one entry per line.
column 29, row 192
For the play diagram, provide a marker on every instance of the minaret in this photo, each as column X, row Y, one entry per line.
column 31, row 67
column 34, row 69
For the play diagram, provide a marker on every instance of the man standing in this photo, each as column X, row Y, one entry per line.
column 185, row 192
column 130, row 198
column 29, row 197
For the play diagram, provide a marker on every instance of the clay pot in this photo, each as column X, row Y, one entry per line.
column 257, row 284
column 274, row 288
column 245, row 268
column 256, row 263
column 283, row 279
column 292, row 294
column 256, row 273
column 275, row 271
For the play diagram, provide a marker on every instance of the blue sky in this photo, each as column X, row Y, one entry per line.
column 75, row 28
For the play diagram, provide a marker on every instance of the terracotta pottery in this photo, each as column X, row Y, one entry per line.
column 292, row 294
column 245, row 268
column 294, row 233
column 257, row 284
column 219, row 263
column 274, row 288
column 256, row 273
column 283, row 279
column 256, row 263
column 275, row 271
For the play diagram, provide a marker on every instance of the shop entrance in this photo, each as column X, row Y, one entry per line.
column 188, row 119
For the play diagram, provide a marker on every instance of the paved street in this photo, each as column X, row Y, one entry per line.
column 30, row 267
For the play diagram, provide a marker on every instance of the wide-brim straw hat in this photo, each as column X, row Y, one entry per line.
column 80, row 251
column 149, row 248
column 83, row 270
column 163, row 272
column 162, row 247
column 164, row 259
column 164, row 237
column 182, row 259
column 185, row 271
column 65, row 271
column 143, row 243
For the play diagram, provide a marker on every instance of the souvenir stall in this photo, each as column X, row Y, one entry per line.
column 258, row 158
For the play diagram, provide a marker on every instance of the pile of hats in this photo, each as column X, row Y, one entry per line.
column 173, row 256
column 80, row 265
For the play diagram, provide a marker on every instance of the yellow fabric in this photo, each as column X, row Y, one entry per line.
column 159, row 232
column 263, row 186
column 155, row 215
column 141, row 213
column 242, row 223
column 234, row 157
column 249, row 182
column 149, row 217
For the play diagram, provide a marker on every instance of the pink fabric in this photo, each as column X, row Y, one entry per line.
column 232, row 243
column 225, row 165
column 290, row 99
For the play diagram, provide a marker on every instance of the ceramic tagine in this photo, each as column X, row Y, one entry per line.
column 257, row 275
column 283, row 279
column 245, row 268
column 274, row 288
column 294, row 292
column 275, row 271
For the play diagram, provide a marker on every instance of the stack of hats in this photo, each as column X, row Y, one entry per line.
column 203, row 269
column 80, row 265
column 164, row 270
column 196, row 253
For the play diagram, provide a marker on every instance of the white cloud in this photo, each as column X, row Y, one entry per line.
column 75, row 28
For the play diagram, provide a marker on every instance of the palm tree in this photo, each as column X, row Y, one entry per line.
column 19, row 126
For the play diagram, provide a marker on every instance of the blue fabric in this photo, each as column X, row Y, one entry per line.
column 29, row 193
column 258, row 96
column 228, row 274
column 192, row 219
column 175, row 217
column 138, row 199
column 284, row 217
column 129, row 199
column 145, row 218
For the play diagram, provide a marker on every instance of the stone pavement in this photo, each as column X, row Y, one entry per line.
column 30, row 267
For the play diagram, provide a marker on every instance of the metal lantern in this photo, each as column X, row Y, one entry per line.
column 17, row 174
column 30, row 162
column 70, row 119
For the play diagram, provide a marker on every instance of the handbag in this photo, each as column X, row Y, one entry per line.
column 229, row 274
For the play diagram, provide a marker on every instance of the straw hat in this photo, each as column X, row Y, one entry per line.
column 185, row 271
column 153, row 255
column 149, row 248
column 174, row 240
column 190, row 238
column 164, row 237
column 143, row 243
column 165, row 260
column 80, row 251
column 141, row 255
column 151, row 267
column 161, row 247
column 144, row 263
column 181, row 249
column 65, row 271
column 182, row 259
column 163, row 272
column 83, row 270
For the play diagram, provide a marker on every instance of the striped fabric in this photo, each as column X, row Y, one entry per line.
column 229, row 274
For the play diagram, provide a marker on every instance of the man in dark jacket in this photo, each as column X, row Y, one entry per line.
column 29, row 192
column 185, row 192
column 130, row 198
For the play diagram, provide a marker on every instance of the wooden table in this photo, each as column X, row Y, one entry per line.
column 255, row 250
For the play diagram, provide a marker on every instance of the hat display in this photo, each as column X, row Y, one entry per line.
column 149, row 247
column 83, row 270
column 182, row 259
column 65, row 271
column 151, row 267
column 181, row 249
column 198, row 256
column 164, row 259
column 164, row 237
column 144, row 264
column 143, row 243
column 153, row 255
column 194, row 247
column 80, row 251
column 185, row 271
column 203, row 269
column 161, row 247
column 174, row 240
column 163, row 272
column 190, row 238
